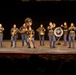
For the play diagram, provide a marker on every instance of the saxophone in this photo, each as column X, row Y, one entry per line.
column 13, row 33
column 31, row 36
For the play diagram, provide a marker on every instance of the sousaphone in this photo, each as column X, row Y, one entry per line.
column 28, row 21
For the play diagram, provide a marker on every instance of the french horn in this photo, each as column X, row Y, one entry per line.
column 28, row 21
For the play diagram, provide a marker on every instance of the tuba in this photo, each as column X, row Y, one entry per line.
column 28, row 21
column 22, row 30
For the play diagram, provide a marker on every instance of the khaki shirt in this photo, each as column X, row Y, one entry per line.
column 41, row 30
column 1, row 31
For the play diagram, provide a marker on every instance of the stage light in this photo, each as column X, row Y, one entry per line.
column 24, row 0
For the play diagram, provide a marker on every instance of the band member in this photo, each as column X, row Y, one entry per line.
column 1, row 34
column 41, row 30
column 71, row 35
column 23, row 30
column 14, row 35
column 65, row 32
column 31, row 34
column 51, row 35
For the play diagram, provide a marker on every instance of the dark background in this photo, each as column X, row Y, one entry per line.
column 40, row 12
column 38, row 64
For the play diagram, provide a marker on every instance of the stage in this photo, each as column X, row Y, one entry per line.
column 60, row 49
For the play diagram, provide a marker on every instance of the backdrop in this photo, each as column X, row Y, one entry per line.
column 40, row 12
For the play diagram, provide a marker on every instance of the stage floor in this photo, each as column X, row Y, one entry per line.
column 60, row 49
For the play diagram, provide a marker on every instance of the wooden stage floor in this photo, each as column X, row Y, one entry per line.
column 60, row 49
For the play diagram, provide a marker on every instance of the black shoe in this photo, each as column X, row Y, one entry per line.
column 43, row 44
column 34, row 47
column 29, row 47
column 40, row 44
column 54, row 47
column 73, row 47
column 69, row 47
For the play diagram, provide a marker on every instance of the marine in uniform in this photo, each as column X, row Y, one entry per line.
column 41, row 30
column 65, row 33
column 52, row 38
column 23, row 31
column 1, row 34
column 71, row 37
column 14, row 35
column 30, row 39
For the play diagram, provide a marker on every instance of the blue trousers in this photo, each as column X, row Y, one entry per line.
column 1, row 38
column 71, row 41
column 52, row 41
column 65, row 39
column 24, row 38
column 13, row 41
column 41, row 38
column 28, row 42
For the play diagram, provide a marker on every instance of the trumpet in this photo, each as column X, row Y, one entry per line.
column 70, row 28
column 1, row 29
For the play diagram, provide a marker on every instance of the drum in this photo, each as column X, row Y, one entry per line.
column 58, row 32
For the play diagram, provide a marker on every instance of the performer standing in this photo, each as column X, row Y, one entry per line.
column 41, row 30
column 71, row 35
column 65, row 32
column 23, row 30
column 14, row 35
column 51, row 35
column 30, row 39
column 1, row 34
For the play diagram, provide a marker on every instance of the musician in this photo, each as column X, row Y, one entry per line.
column 1, row 34
column 41, row 30
column 71, row 37
column 51, row 35
column 14, row 35
column 31, row 34
column 23, row 30
column 65, row 32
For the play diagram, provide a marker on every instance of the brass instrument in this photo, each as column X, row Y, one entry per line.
column 28, row 21
column 1, row 29
column 22, row 31
column 70, row 28
column 42, row 32
column 13, row 33
column 30, row 39
column 31, row 36
column 50, row 27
